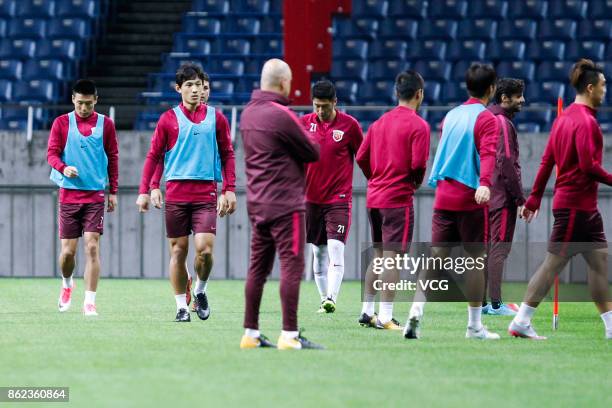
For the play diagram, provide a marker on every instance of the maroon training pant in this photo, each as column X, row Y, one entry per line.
column 502, row 222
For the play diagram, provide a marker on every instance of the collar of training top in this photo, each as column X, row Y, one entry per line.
column 260, row 95
column 498, row 110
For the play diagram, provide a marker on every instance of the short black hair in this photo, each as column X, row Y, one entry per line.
column 85, row 87
column 478, row 78
column 407, row 83
column 324, row 89
column 583, row 74
column 189, row 71
column 509, row 87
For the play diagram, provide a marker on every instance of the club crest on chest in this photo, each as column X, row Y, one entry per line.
column 337, row 135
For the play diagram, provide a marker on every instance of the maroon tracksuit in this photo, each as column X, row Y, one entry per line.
column 276, row 146
column 506, row 197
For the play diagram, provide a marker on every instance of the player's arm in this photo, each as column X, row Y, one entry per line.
column 297, row 140
column 55, row 147
column 356, row 138
column 486, row 132
column 363, row 155
column 539, row 185
column 509, row 168
column 586, row 142
column 111, row 147
column 157, row 198
column 227, row 203
column 420, row 154
column 159, row 142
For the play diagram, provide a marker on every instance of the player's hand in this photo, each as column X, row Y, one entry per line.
column 483, row 194
column 222, row 206
column 157, row 198
column 230, row 197
column 143, row 203
column 528, row 215
column 112, row 203
column 71, row 172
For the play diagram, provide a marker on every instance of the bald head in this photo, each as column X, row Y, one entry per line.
column 276, row 77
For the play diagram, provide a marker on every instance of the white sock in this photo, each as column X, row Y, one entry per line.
column 385, row 312
column 367, row 306
column 607, row 319
column 90, row 298
column 319, row 268
column 288, row 335
column 252, row 333
column 336, row 267
column 474, row 317
column 67, row 282
column 416, row 310
column 523, row 317
column 181, row 301
column 200, row 286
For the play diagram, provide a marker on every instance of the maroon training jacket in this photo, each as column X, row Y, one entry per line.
column 276, row 146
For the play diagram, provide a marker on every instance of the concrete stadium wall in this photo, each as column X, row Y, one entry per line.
column 134, row 245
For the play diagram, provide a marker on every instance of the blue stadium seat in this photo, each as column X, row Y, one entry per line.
column 547, row 50
column 387, row 49
column 574, row 9
column 229, row 67
column 248, row 26
column 8, row 8
column 146, row 121
column 453, row 93
column 494, row 9
column 438, row 30
column 386, row 68
column 428, row 50
column 247, row 85
column 516, row 69
column 367, row 116
column 35, row 91
column 350, row 69
column 542, row 114
column 212, row 6
column 251, row 6
column 14, row 125
column 192, row 45
column 43, row 69
column 164, row 83
column 346, row 91
column 527, row 127
column 467, row 49
column 545, row 92
column 554, row 70
column 524, row 30
column 459, row 69
column 64, row 49
column 35, row 8
column 371, row 8
column 201, row 25
column 593, row 50
column 273, row 25
column 477, row 30
column 22, row 114
column 609, row 54
column 17, row 48
column 434, row 70
column 10, row 69
column 384, row 90
column 238, row 46
column 174, row 61
column 365, row 28
column 253, row 66
column 6, row 87
column 606, row 127
column 510, row 50
column 350, row 49
column 435, row 117
column 77, row 8
column 560, row 30
column 432, row 92
column 534, row 9
column 448, row 9
column 76, row 28
column 268, row 46
column 599, row 8
column 3, row 25
column 600, row 30
column 399, row 28
column 221, row 90
column 27, row 28
column 607, row 69
column 408, row 9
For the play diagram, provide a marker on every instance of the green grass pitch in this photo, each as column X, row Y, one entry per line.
column 134, row 355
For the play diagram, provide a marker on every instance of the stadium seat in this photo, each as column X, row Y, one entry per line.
column 378, row 90
column 64, row 49
column 477, row 30
column 416, row 9
column 247, row 85
column 364, row 28
column 221, row 89
column 387, row 49
column 35, row 8
column 27, row 28
column 453, row 93
column 609, row 53
column 5, row 90
column 43, row 69
column 560, row 30
column 371, row 8
column 146, row 121
column 510, row 50
column 248, row 26
column 238, row 46
column 524, row 30
column 35, row 91
column 467, row 49
column 8, row 8
column 3, row 27
column 493, row 9
column 386, row 68
column 545, row 92
column 350, row 49
column 438, row 30
column 346, row 91
column 350, row 69
column 435, row 117
column 516, row 69
column 432, row 92
column 456, row 9
column 534, row 9
column 77, row 8
column 253, row 66
column 268, row 46
column 537, row 113
column 10, row 69
column 554, row 70
column 192, row 45
column 17, row 48
column 272, row 25
column 434, row 70
column 201, row 25
column 599, row 30
column 599, row 8
column 428, row 50
column 69, row 28
column 162, row 82
column 399, row 29
column 574, row 9
column 230, row 67
column 251, row 6
column 593, row 50
column 14, row 125
column 212, row 6
column 546, row 50
column 527, row 127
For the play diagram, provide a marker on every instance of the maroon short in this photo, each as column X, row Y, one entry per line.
column 327, row 221
column 74, row 219
column 452, row 228
column 576, row 231
column 392, row 225
column 184, row 218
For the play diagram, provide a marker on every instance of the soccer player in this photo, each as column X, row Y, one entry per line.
column 575, row 146
column 276, row 147
column 506, row 192
column 194, row 141
column 393, row 158
column 461, row 174
column 84, row 155
column 329, row 187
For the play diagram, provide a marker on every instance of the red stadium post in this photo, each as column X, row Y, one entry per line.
column 556, row 293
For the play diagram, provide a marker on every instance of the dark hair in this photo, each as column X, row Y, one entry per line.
column 407, row 83
column 189, row 71
column 478, row 78
column 509, row 87
column 324, row 89
column 584, row 73
column 85, row 87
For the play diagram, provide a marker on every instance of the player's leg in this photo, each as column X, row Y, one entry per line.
column 70, row 230
column 92, row 272
column 597, row 261
column 368, row 317
column 337, row 225
column 178, row 228
column 315, row 236
column 204, row 243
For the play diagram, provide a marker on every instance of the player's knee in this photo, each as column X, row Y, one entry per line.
column 68, row 252
column 92, row 249
column 178, row 252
